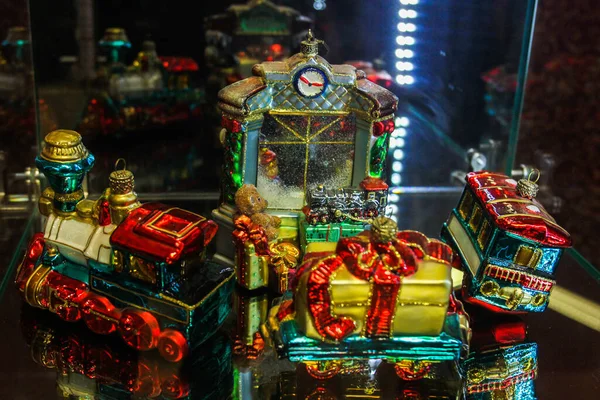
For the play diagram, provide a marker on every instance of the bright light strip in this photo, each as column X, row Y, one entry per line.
column 404, row 80
column 404, row 77
column 404, row 66
column 398, row 154
column 405, row 40
column 396, row 142
column 404, row 53
column 404, row 13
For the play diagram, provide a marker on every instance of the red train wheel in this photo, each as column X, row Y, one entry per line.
column 99, row 314
column 139, row 329
column 147, row 383
column 173, row 387
column 172, row 345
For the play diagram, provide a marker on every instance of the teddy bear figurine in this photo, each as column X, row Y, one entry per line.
column 250, row 203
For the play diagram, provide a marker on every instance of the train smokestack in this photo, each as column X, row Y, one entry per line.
column 64, row 160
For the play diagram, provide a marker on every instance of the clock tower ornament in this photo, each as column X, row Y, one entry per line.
column 293, row 127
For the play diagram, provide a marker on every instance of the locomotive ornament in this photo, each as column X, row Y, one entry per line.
column 298, row 130
column 382, row 295
column 119, row 265
column 508, row 243
column 154, row 91
column 344, row 204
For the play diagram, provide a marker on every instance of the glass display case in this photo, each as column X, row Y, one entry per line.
column 503, row 86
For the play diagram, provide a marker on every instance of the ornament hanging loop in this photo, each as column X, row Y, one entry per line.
column 534, row 172
column 120, row 160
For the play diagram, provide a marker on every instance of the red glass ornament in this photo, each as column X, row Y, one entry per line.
column 139, row 329
column 231, row 125
column 378, row 128
column 179, row 64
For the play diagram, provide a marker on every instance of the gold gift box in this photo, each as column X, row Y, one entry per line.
column 421, row 305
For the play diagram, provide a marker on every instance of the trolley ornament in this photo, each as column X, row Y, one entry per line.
column 382, row 294
column 508, row 243
column 119, row 265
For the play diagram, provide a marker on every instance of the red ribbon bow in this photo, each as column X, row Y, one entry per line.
column 246, row 230
column 384, row 264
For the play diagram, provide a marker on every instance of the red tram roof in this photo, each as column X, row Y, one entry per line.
column 514, row 213
column 179, row 64
column 163, row 233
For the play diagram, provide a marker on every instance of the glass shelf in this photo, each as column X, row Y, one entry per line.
column 29, row 335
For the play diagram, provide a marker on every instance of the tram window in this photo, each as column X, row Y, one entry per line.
column 142, row 269
column 464, row 209
column 528, row 256
column 484, row 234
column 476, row 218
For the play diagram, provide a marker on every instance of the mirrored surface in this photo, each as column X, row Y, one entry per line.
column 48, row 358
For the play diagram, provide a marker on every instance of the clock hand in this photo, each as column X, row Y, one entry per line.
column 316, row 84
column 303, row 79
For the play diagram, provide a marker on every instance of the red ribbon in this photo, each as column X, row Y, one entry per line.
column 246, row 230
column 384, row 264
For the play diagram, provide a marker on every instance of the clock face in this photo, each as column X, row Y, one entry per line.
column 310, row 82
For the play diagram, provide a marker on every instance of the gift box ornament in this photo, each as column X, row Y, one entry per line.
column 378, row 285
column 262, row 258
column 381, row 294
column 508, row 243
column 119, row 265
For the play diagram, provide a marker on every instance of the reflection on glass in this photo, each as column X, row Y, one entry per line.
column 310, row 150
column 92, row 366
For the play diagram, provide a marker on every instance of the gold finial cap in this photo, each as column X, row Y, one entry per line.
column 383, row 229
column 310, row 45
column 115, row 35
column 529, row 188
column 121, row 181
column 63, row 146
